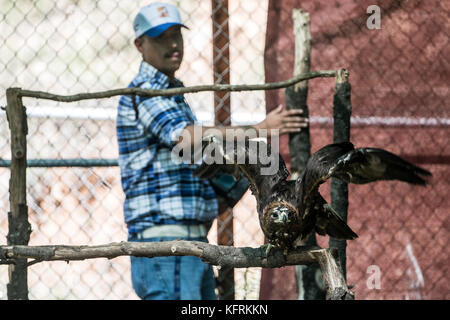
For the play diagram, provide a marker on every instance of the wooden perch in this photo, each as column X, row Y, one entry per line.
column 300, row 143
column 176, row 91
column 296, row 95
column 17, row 253
column 342, row 111
column 223, row 256
column 19, row 228
column 336, row 285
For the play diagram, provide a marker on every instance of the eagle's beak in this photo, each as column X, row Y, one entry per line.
column 283, row 217
column 280, row 217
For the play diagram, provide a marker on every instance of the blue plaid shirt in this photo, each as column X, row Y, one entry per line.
column 157, row 190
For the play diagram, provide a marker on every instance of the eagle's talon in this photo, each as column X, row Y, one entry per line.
column 267, row 247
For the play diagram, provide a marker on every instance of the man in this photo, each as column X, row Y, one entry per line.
column 164, row 200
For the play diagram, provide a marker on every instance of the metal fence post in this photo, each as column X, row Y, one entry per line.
column 19, row 227
column 221, row 69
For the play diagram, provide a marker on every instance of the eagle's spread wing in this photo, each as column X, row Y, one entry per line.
column 361, row 165
column 343, row 161
column 254, row 158
column 329, row 222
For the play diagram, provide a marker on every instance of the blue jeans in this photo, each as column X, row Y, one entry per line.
column 172, row 278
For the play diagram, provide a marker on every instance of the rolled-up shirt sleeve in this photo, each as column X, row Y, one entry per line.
column 163, row 118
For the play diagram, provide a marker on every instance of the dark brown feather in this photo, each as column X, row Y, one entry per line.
column 289, row 210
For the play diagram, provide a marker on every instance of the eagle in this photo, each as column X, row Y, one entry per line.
column 289, row 210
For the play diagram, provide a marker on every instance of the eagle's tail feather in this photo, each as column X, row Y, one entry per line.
column 329, row 222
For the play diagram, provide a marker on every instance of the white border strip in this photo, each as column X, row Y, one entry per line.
column 72, row 113
column 387, row 121
column 100, row 113
column 372, row 121
column 401, row 121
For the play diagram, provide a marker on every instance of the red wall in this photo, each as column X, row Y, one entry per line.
column 400, row 71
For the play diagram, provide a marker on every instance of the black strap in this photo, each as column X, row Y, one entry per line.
column 135, row 106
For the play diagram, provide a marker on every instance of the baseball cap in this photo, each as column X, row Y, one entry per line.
column 155, row 18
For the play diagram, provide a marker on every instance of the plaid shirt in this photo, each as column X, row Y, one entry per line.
column 157, row 190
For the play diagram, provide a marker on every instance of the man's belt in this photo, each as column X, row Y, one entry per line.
column 174, row 230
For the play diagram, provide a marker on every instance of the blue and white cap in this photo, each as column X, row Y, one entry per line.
column 155, row 18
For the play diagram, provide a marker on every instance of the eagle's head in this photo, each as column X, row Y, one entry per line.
column 280, row 223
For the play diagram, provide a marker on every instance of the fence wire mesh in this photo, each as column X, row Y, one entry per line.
column 399, row 76
column 68, row 47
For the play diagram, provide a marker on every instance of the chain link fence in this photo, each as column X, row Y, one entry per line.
column 399, row 72
column 70, row 47
column 399, row 78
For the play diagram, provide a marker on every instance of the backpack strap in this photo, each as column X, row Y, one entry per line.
column 135, row 106
column 133, row 100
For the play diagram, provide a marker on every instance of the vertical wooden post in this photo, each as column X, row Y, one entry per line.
column 342, row 110
column 300, row 143
column 221, row 68
column 337, row 285
column 19, row 227
column 296, row 95
column 221, row 60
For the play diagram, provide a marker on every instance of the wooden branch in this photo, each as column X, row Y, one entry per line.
column 19, row 228
column 302, row 35
column 342, row 111
column 300, row 144
column 336, row 285
column 296, row 95
column 223, row 256
column 176, row 91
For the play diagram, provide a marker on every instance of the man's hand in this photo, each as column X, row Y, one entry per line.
column 277, row 122
column 286, row 121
